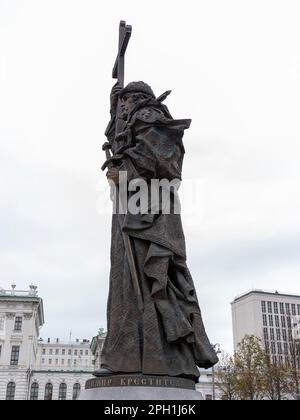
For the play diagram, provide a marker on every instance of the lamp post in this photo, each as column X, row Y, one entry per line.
column 217, row 349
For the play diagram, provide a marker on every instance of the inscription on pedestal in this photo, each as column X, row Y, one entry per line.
column 140, row 380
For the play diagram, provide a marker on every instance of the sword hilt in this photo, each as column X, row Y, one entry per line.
column 107, row 147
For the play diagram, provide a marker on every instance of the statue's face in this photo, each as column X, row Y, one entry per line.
column 127, row 105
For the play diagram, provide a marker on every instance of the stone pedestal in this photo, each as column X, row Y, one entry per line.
column 140, row 387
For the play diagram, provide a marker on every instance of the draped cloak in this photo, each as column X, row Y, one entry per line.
column 168, row 337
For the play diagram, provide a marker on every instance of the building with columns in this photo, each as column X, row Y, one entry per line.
column 21, row 316
column 31, row 368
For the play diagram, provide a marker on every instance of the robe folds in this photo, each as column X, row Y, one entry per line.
column 168, row 336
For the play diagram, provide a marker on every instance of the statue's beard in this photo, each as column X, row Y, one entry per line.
column 125, row 115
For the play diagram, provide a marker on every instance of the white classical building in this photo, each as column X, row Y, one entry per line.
column 208, row 385
column 31, row 368
column 21, row 316
column 272, row 316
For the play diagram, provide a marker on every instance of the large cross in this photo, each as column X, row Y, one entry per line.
column 124, row 36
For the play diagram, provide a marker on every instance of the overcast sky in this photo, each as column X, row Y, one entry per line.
column 233, row 67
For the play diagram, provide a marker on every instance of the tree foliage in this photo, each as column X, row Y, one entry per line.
column 252, row 375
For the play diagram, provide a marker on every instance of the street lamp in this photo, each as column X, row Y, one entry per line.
column 217, row 349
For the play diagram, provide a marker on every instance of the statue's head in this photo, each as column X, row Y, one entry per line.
column 132, row 94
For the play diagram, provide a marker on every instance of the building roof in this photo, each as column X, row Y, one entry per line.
column 264, row 292
column 82, row 343
column 30, row 295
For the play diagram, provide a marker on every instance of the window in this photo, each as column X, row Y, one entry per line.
column 69, row 362
column 50, row 362
column 34, row 391
column 265, row 320
column 286, row 349
column 56, row 361
column 287, row 308
column 279, row 348
column 274, row 360
column 298, row 309
column 263, row 306
column 273, row 349
column 277, row 321
column 270, row 320
column 75, row 362
column 10, row 391
column 75, row 352
column 48, row 392
column 57, row 352
column 62, row 361
column 269, row 307
column 69, row 352
column 63, row 352
column 267, row 346
column 18, row 323
column 76, row 391
column 2, row 322
column 278, row 334
column 81, row 352
column 275, row 304
column 293, row 309
column 283, row 324
column 51, row 351
column 14, row 358
column 281, row 308
column 43, row 361
column 272, row 337
column 289, row 321
column 208, row 397
column 284, row 336
column 266, row 335
column 44, row 351
column 62, row 394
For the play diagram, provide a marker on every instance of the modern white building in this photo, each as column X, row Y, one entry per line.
column 273, row 317
column 31, row 368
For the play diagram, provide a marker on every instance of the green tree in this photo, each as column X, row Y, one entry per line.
column 277, row 380
column 226, row 379
column 294, row 347
column 249, row 361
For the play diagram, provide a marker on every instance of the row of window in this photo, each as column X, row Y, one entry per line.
column 62, row 362
column 64, row 352
column 288, row 358
column 281, row 360
column 48, row 393
column 279, row 349
column 287, row 308
column 281, row 334
column 15, row 354
column 277, row 320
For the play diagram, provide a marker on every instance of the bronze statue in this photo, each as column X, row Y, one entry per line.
column 154, row 320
